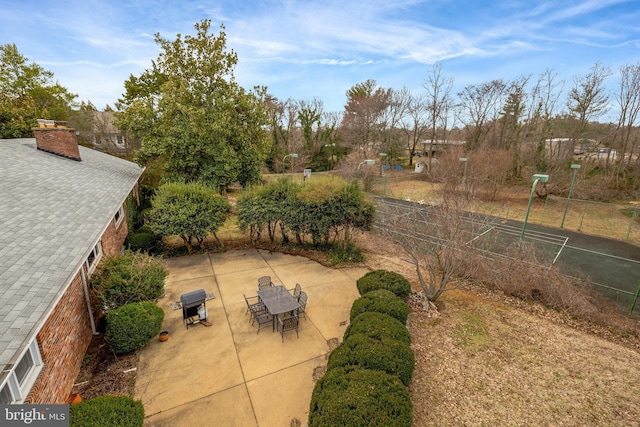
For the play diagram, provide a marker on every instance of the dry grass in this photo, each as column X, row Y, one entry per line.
column 489, row 359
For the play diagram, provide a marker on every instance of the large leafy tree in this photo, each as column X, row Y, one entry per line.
column 190, row 210
column 191, row 114
column 27, row 93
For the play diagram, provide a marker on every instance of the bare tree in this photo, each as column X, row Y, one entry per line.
column 414, row 122
column 438, row 239
column 479, row 109
column 628, row 100
column 439, row 104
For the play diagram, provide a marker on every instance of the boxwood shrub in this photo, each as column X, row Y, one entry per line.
column 390, row 356
column 380, row 301
column 107, row 411
column 379, row 326
column 132, row 277
column 384, row 279
column 359, row 397
column 132, row 326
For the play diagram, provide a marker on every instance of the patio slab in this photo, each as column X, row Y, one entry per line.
column 228, row 374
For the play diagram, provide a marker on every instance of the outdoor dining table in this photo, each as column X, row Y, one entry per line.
column 277, row 300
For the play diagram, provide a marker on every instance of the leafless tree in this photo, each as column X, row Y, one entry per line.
column 628, row 100
column 439, row 103
column 414, row 122
column 437, row 238
column 479, row 109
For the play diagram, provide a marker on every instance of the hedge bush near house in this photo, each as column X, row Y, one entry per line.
column 359, row 397
column 107, row 411
column 379, row 326
column 384, row 279
column 132, row 277
column 380, row 301
column 132, row 326
column 390, row 356
column 143, row 240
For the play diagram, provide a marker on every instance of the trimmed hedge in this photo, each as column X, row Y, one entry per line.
column 381, row 301
column 384, row 279
column 132, row 277
column 360, row 397
column 379, row 326
column 107, row 411
column 131, row 326
column 390, row 356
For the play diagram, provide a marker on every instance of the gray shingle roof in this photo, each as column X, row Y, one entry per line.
column 53, row 211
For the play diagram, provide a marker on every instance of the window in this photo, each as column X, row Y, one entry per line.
column 22, row 377
column 93, row 258
column 119, row 216
column 5, row 394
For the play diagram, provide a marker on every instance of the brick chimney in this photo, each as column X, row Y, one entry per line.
column 56, row 138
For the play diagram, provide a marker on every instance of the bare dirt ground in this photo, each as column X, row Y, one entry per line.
column 491, row 360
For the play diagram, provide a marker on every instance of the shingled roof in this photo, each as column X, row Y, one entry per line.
column 53, row 211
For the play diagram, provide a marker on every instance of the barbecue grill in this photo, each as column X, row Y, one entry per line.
column 191, row 302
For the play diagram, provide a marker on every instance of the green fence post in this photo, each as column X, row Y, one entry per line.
column 635, row 299
column 544, row 210
column 633, row 219
column 584, row 211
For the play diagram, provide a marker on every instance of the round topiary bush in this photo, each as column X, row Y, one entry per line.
column 383, row 279
column 380, row 301
column 132, row 326
column 132, row 277
column 390, row 356
column 143, row 239
column 379, row 326
column 359, row 397
column 107, row 411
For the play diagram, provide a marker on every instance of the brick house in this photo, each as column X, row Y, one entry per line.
column 62, row 207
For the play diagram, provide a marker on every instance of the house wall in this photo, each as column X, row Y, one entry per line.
column 63, row 341
column 66, row 334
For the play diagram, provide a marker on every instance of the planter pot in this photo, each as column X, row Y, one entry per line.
column 74, row 399
column 164, row 335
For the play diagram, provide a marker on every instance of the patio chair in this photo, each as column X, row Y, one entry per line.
column 302, row 300
column 296, row 291
column 288, row 324
column 264, row 319
column 264, row 282
column 254, row 308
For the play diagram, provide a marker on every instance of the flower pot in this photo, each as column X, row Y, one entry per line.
column 164, row 335
column 73, row 399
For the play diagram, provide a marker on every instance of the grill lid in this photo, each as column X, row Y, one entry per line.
column 194, row 298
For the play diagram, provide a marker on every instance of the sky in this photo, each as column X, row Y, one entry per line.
column 319, row 49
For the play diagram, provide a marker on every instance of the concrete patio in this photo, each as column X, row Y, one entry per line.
column 227, row 374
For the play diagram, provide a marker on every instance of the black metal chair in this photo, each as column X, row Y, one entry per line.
column 296, row 291
column 264, row 319
column 302, row 300
column 288, row 324
column 264, row 282
column 254, row 308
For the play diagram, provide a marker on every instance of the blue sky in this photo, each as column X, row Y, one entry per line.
column 307, row 49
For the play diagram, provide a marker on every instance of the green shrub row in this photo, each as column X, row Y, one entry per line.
column 367, row 374
column 384, row 279
column 107, row 411
column 131, row 326
column 380, row 301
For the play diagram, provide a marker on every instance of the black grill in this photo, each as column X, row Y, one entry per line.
column 191, row 301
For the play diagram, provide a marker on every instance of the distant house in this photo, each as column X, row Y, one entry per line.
column 433, row 148
column 62, row 208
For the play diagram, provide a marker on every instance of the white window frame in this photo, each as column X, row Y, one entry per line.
column 19, row 391
column 92, row 263
column 119, row 216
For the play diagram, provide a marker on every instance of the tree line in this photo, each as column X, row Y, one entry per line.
column 193, row 122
